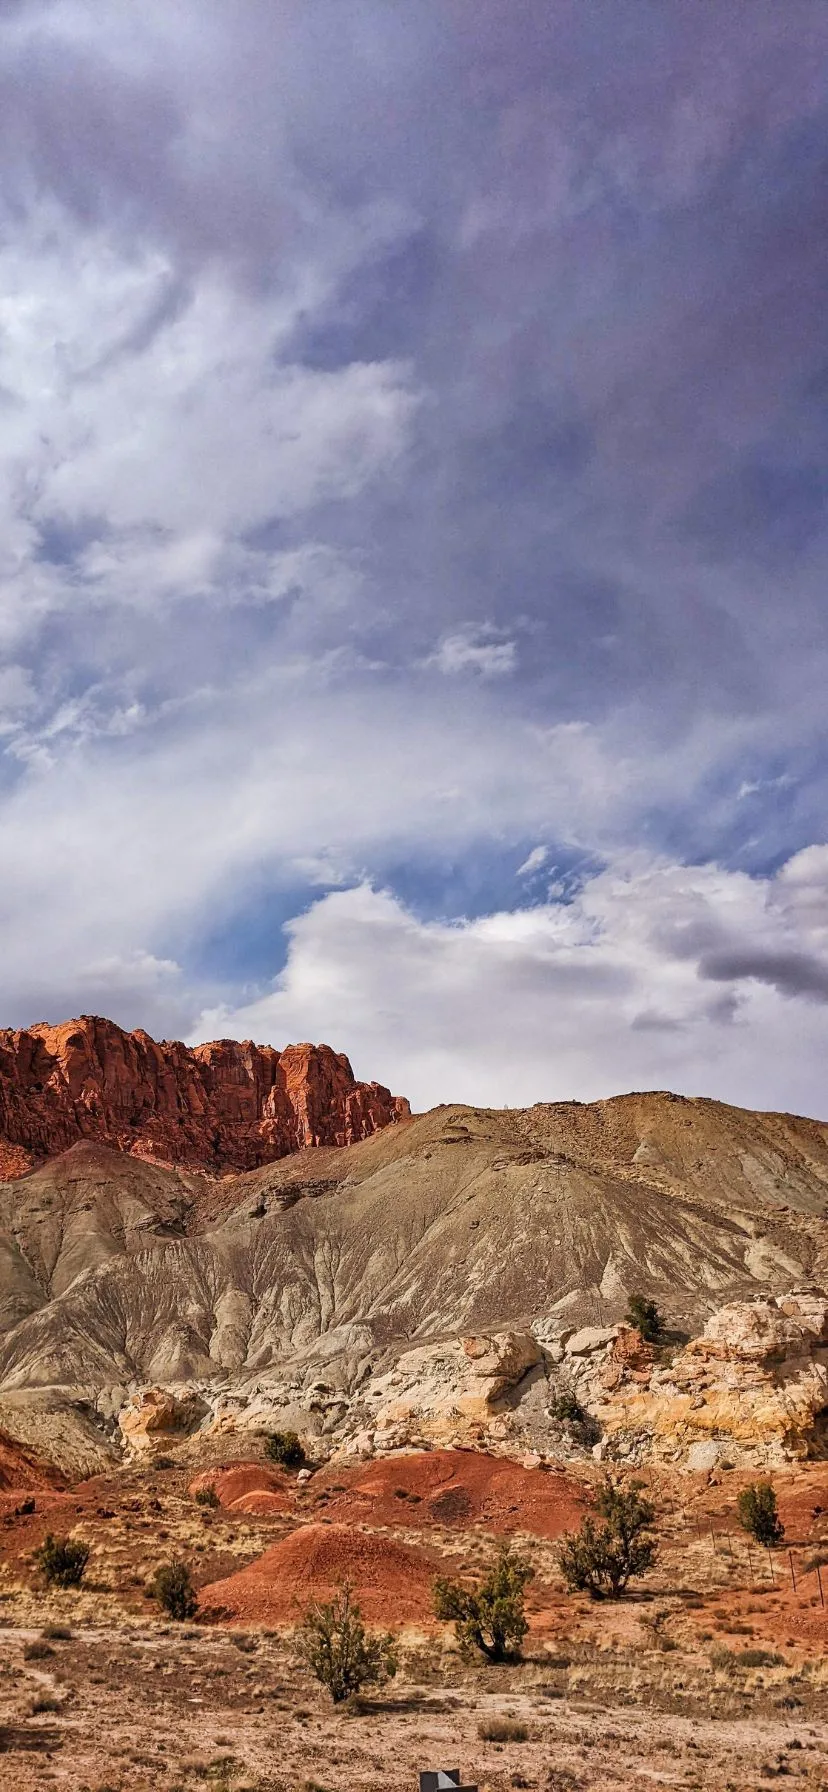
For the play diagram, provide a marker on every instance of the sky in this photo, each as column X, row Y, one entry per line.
column 413, row 535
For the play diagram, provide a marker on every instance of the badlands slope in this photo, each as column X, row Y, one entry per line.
column 311, row 1272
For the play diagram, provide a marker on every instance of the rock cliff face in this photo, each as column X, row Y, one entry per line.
column 220, row 1107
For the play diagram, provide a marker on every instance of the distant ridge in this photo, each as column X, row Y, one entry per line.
column 225, row 1106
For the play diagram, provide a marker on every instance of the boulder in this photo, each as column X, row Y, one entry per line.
column 157, row 1417
column 589, row 1339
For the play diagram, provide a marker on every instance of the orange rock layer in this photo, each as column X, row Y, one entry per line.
column 225, row 1106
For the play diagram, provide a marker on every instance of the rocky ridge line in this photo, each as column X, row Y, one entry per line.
column 224, row 1106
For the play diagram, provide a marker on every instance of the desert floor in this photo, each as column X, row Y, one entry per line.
column 713, row 1673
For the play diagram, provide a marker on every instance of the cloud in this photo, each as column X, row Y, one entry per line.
column 473, row 652
column 577, row 999
column 534, row 861
column 413, row 451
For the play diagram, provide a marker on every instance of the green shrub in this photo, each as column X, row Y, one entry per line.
column 285, row 1447
column 758, row 1513
column 207, row 1496
column 645, row 1316
column 62, row 1560
column 489, row 1617
column 340, row 1651
column 601, row 1559
column 173, row 1588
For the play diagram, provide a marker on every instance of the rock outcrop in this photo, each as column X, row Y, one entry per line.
column 225, row 1106
column 453, row 1394
column 156, row 1417
column 752, row 1389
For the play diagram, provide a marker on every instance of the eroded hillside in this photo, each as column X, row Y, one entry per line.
column 118, row 1273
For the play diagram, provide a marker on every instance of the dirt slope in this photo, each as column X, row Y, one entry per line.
column 312, row 1565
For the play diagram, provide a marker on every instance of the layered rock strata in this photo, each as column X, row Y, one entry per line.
column 752, row 1388
column 224, row 1106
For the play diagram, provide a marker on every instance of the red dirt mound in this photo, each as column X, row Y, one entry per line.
column 261, row 1504
column 391, row 1582
column 246, row 1487
column 456, row 1488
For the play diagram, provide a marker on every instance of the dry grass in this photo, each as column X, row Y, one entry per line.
column 502, row 1729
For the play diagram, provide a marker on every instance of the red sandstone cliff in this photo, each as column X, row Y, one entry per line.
column 222, row 1106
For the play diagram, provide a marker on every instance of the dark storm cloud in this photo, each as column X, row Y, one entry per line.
column 791, row 973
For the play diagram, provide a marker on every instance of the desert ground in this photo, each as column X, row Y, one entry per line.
column 713, row 1672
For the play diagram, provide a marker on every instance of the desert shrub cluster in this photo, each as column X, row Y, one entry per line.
column 174, row 1591
column 62, row 1560
column 285, row 1447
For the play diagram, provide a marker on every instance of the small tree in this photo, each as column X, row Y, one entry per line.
column 285, row 1447
column 489, row 1617
column 340, row 1651
column 758, row 1513
column 173, row 1588
column 207, row 1496
column 565, row 1407
column 645, row 1316
column 63, row 1560
column 601, row 1559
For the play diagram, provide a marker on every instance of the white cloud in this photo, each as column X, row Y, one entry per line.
column 535, row 860
column 162, row 416
column 618, row 989
column 473, row 651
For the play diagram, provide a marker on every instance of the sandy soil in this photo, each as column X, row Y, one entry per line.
column 663, row 1689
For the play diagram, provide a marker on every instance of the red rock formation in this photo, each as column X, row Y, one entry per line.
column 223, row 1106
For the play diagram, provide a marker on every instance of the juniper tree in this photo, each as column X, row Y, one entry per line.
column 601, row 1559
column 758, row 1513
column 341, row 1652
column 489, row 1617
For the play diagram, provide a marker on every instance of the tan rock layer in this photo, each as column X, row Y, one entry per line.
column 228, row 1105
